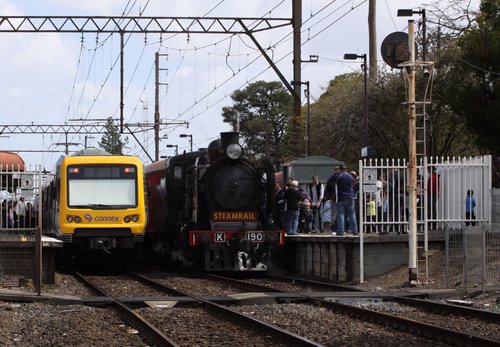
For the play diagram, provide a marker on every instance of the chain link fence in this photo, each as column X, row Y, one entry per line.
column 473, row 256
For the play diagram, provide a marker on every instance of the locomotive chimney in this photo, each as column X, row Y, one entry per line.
column 229, row 138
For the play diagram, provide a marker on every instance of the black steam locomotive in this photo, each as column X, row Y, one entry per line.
column 212, row 209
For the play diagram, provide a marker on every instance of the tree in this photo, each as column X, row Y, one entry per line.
column 473, row 85
column 264, row 111
column 111, row 140
column 337, row 120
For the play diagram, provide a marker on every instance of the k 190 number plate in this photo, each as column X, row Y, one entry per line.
column 256, row 237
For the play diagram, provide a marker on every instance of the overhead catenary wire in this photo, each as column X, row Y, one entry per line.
column 218, row 85
column 224, row 82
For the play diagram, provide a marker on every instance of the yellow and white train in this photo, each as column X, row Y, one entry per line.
column 96, row 201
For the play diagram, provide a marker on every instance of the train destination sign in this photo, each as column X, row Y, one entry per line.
column 242, row 216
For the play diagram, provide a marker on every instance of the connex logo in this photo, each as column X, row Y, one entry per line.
column 88, row 217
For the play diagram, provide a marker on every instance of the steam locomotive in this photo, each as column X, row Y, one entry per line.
column 212, row 209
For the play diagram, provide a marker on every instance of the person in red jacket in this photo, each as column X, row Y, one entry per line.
column 433, row 183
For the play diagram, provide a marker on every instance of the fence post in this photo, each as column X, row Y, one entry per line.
column 361, row 227
column 38, row 243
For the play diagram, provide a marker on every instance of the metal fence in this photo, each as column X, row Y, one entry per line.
column 442, row 188
column 454, row 195
column 473, row 256
column 18, row 225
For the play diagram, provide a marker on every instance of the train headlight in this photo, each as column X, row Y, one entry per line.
column 234, row 151
column 126, row 219
column 69, row 219
column 77, row 219
column 135, row 218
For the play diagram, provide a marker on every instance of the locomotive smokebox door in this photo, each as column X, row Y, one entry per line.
column 229, row 138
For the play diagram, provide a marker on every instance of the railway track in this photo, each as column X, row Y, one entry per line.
column 193, row 310
column 150, row 331
column 213, row 312
column 441, row 315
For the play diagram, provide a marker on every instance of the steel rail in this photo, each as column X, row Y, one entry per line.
column 151, row 332
column 432, row 331
column 433, row 306
column 242, row 284
column 242, row 319
column 333, row 286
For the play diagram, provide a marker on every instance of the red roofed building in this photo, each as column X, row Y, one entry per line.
column 11, row 162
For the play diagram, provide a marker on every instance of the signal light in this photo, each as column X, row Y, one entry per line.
column 135, row 218
column 77, row 219
column 126, row 219
column 69, row 219
column 74, row 170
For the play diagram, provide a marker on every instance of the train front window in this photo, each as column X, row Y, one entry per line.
column 102, row 186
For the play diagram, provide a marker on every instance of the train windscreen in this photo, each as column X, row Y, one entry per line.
column 102, row 186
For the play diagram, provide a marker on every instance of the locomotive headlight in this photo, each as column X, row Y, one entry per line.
column 135, row 218
column 126, row 219
column 234, row 151
column 69, row 219
column 77, row 219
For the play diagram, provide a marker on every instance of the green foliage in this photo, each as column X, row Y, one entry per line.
column 111, row 141
column 473, row 85
column 260, row 106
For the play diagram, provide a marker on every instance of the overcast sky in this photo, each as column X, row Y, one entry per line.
column 57, row 78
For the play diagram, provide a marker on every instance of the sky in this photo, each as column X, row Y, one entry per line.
column 62, row 78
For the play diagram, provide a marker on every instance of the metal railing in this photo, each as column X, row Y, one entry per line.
column 19, row 188
column 453, row 195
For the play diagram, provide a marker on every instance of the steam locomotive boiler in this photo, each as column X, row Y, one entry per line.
column 212, row 209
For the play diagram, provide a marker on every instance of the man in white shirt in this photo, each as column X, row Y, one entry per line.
column 316, row 191
column 21, row 210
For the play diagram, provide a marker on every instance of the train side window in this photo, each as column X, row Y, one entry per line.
column 177, row 172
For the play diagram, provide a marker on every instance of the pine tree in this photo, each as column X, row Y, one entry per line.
column 111, row 141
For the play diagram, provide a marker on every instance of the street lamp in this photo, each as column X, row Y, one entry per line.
column 409, row 13
column 176, row 148
column 352, row 56
column 190, row 140
column 307, row 138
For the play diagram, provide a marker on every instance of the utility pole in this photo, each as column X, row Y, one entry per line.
column 122, row 105
column 157, row 107
column 66, row 144
column 297, row 102
column 86, row 138
column 412, row 160
column 157, row 104
column 372, row 36
column 308, row 123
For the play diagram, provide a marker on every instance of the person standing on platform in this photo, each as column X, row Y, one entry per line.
column 331, row 191
column 371, row 212
column 326, row 213
column 315, row 191
column 433, row 182
column 21, row 210
column 293, row 198
column 345, row 202
column 470, row 208
column 279, row 205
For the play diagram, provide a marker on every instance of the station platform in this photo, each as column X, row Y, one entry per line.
column 336, row 258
